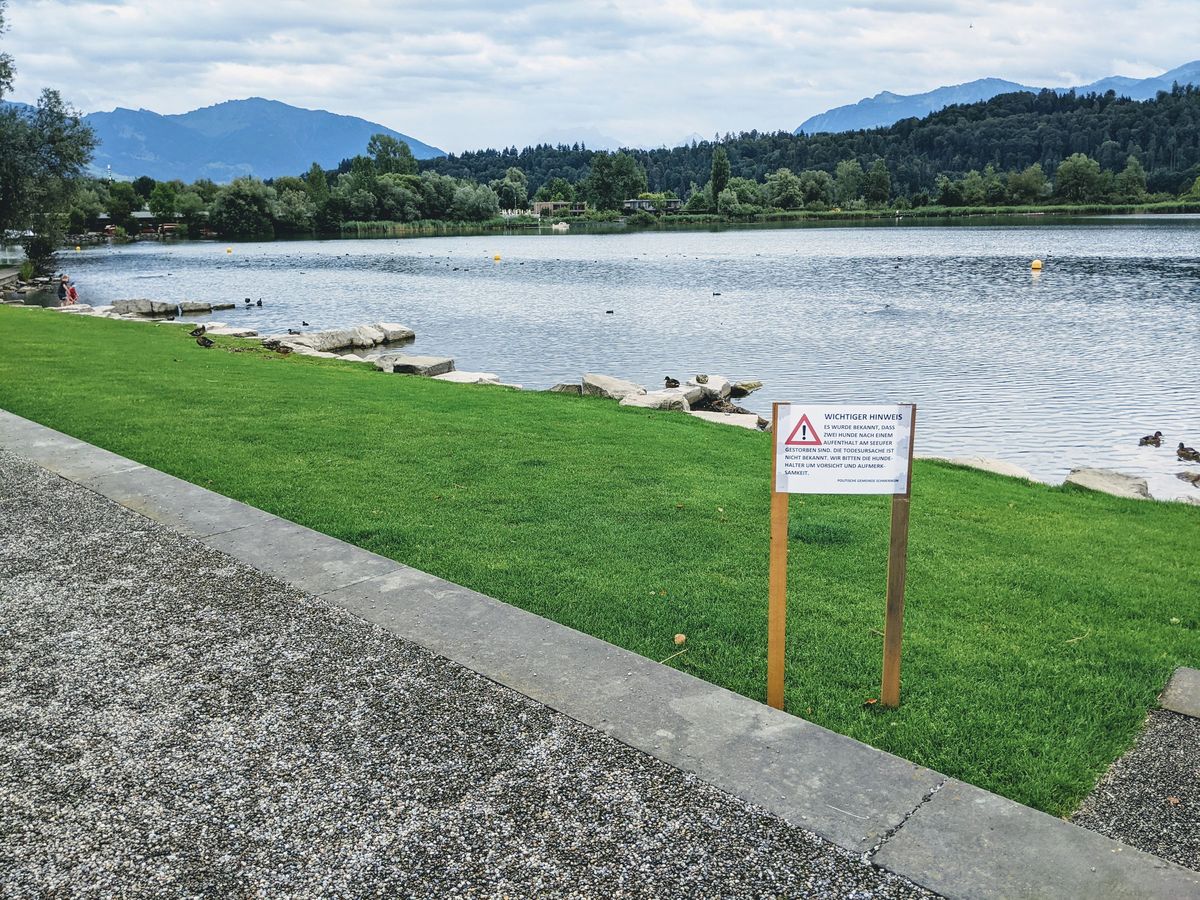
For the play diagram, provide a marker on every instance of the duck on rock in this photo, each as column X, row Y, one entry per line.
column 1188, row 454
column 1151, row 440
column 671, row 382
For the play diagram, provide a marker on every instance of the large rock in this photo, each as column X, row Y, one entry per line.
column 144, row 307
column 226, row 331
column 332, row 339
column 986, row 464
column 714, row 386
column 566, row 387
column 77, row 308
column 403, row 364
column 741, row 420
column 194, row 306
column 1109, row 482
column 607, row 386
column 393, row 332
column 744, row 388
column 669, row 398
column 469, row 377
column 217, row 306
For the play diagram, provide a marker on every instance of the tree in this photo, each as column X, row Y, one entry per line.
column 1130, row 184
column 1078, row 178
column 1027, row 186
column 43, row 154
column 162, row 200
column 123, row 201
column 848, row 181
column 391, row 156
column 144, row 185
column 949, row 192
column 512, row 189
column 556, row 189
column 784, row 190
column 318, row 184
column 615, row 178
column 818, row 188
column 474, row 203
column 719, row 174
column 293, row 211
column 192, row 209
column 6, row 61
column 243, row 209
column 877, row 186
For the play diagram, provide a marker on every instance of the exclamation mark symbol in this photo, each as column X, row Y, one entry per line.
column 804, row 431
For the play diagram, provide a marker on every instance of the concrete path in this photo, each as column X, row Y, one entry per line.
column 173, row 722
column 948, row 836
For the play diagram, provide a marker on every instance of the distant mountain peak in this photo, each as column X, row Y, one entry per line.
column 887, row 108
column 254, row 136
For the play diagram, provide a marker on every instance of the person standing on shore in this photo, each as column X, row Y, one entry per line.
column 67, row 295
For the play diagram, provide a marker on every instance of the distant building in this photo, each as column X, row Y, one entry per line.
column 559, row 208
column 669, row 205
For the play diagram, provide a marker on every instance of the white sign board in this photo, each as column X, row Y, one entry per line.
column 855, row 449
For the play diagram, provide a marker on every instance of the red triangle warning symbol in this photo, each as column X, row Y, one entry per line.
column 803, row 435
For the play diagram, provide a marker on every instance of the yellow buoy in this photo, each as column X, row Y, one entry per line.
column 228, row 249
column 496, row 258
column 77, row 248
column 1036, row 265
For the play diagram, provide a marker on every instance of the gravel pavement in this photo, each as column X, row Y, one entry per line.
column 1150, row 797
column 173, row 723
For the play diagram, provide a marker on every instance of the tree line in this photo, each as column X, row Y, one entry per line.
column 1017, row 149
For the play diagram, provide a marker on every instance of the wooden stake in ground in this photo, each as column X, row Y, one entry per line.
column 777, row 591
column 893, row 629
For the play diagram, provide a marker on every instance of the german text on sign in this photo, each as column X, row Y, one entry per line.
column 852, row 449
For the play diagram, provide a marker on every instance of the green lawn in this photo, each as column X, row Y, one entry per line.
column 1041, row 622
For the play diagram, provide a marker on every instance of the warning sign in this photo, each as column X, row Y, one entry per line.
column 804, row 435
column 854, row 449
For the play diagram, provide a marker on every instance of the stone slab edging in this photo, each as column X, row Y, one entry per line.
column 951, row 837
column 1182, row 694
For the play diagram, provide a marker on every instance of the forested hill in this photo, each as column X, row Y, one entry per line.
column 1010, row 131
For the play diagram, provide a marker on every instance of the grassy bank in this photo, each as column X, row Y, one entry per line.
column 1041, row 621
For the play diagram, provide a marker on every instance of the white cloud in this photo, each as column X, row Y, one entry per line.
column 465, row 74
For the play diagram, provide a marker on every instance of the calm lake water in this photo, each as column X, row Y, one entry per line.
column 1048, row 371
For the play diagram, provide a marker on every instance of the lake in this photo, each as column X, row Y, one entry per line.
column 1053, row 370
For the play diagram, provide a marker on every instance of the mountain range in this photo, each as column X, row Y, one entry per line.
column 258, row 137
column 887, row 108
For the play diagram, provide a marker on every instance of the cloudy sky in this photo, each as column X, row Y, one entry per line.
column 462, row 74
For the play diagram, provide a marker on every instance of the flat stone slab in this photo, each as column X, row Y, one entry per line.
column 741, row 420
column 232, row 332
column 609, row 387
column 987, row 464
column 1182, row 694
column 669, row 398
column 967, row 842
column 1107, row 481
column 469, row 377
column 403, row 364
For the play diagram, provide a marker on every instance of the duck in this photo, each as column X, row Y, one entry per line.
column 1188, row 454
column 204, row 341
column 259, row 303
column 293, row 331
column 1189, row 477
column 670, row 382
column 198, row 330
column 701, row 379
column 305, row 324
column 1151, row 440
column 247, row 301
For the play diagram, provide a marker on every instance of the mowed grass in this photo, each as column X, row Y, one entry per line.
column 1041, row 622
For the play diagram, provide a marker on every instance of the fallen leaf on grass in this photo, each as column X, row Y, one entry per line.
column 1174, row 801
column 871, row 701
column 679, row 639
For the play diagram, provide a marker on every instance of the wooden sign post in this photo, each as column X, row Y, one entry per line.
column 851, row 449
